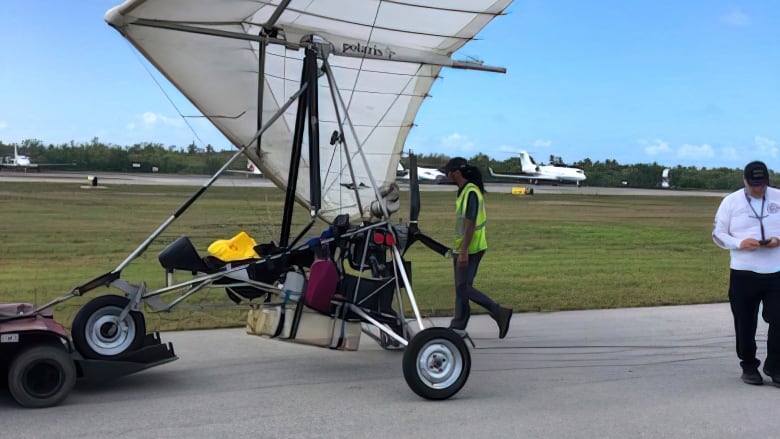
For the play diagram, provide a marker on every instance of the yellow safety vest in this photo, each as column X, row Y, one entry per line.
column 478, row 240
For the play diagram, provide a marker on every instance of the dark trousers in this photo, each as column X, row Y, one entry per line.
column 465, row 291
column 746, row 291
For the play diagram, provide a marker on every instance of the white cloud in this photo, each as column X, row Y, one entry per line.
column 696, row 151
column 736, row 17
column 542, row 143
column 150, row 119
column 456, row 143
column 3, row 124
column 452, row 138
column 655, row 147
column 766, row 146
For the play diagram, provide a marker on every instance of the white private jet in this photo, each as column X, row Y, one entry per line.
column 666, row 181
column 424, row 175
column 18, row 161
column 535, row 173
column 23, row 162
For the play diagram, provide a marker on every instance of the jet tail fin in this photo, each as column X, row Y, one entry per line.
column 527, row 163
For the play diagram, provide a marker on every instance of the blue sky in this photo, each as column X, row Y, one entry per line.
column 683, row 82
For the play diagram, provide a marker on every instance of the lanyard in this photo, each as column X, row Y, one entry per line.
column 759, row 217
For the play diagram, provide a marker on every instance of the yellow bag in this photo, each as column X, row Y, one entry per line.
column 241, row 246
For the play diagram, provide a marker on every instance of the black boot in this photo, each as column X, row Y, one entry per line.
column 502, row 317
column 751, row 376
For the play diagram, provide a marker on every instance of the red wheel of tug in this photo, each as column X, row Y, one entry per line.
column 436, row 363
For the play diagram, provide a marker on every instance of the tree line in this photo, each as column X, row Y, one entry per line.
column 97, row 156
column 140, row 157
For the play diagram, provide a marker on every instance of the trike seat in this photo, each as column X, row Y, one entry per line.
column 182, row 255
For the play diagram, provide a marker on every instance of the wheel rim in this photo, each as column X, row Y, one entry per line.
column 106, row 335
column 43, row 379
column 439, row 364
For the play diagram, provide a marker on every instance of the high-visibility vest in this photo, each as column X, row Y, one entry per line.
column 478, row 240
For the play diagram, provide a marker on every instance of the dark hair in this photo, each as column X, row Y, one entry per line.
column 473, row 175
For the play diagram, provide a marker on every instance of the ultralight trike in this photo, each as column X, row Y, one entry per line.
column 358, row 71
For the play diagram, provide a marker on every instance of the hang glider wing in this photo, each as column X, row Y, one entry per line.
column 384, row 55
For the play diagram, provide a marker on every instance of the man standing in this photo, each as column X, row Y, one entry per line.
column 470, row 245
column 748, row 225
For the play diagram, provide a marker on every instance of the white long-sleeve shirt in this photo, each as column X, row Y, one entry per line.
column 736, row 221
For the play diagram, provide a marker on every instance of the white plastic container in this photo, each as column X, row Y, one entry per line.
column 293, row 286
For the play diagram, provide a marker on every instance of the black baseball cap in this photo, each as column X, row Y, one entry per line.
column 454, row 164
column 756, row 174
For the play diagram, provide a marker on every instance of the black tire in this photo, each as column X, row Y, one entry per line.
column 41, row 376
column 436, row 363
column 96, row 333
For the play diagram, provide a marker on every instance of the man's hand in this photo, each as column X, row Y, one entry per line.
column 751, row 244
column 772, row 242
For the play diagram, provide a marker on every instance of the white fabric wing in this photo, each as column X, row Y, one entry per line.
column 385, row 57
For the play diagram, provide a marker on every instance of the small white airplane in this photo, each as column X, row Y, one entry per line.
column 535, row 173
column 17, row 161
column 251, row 169
column 24, row 162
column 666, row 182
column 424, row 175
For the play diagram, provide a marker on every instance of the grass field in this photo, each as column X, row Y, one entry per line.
column 546, row 252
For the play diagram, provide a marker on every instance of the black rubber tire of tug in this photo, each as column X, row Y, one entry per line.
column 436, row 363
column 98, row 335
column 41, row 376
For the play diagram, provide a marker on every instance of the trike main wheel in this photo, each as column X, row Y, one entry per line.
column 98, row 334
column 41, row 376
column 436, row 363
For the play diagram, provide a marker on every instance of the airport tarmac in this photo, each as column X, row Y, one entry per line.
column 624, row 373
column 112, row 178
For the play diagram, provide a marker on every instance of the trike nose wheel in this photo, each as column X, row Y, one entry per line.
column 436, row 363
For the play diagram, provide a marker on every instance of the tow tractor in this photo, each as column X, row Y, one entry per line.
column 42, row 365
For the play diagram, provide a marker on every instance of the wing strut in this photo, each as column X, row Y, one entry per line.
column 333, row 90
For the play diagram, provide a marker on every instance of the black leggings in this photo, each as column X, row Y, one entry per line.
column 747, row 290
column 465, row 292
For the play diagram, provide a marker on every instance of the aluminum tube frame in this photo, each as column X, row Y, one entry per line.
column 333, row 87
column 434, row 60
column 379, row 325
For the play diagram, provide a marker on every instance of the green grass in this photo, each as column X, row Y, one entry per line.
column 546, row 252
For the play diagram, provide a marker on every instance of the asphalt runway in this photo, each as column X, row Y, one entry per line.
column 109, row 179
column 625, row 373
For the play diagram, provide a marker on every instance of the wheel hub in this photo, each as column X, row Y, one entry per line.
column 43, row 379
column 439, row 364
column 107, row 335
